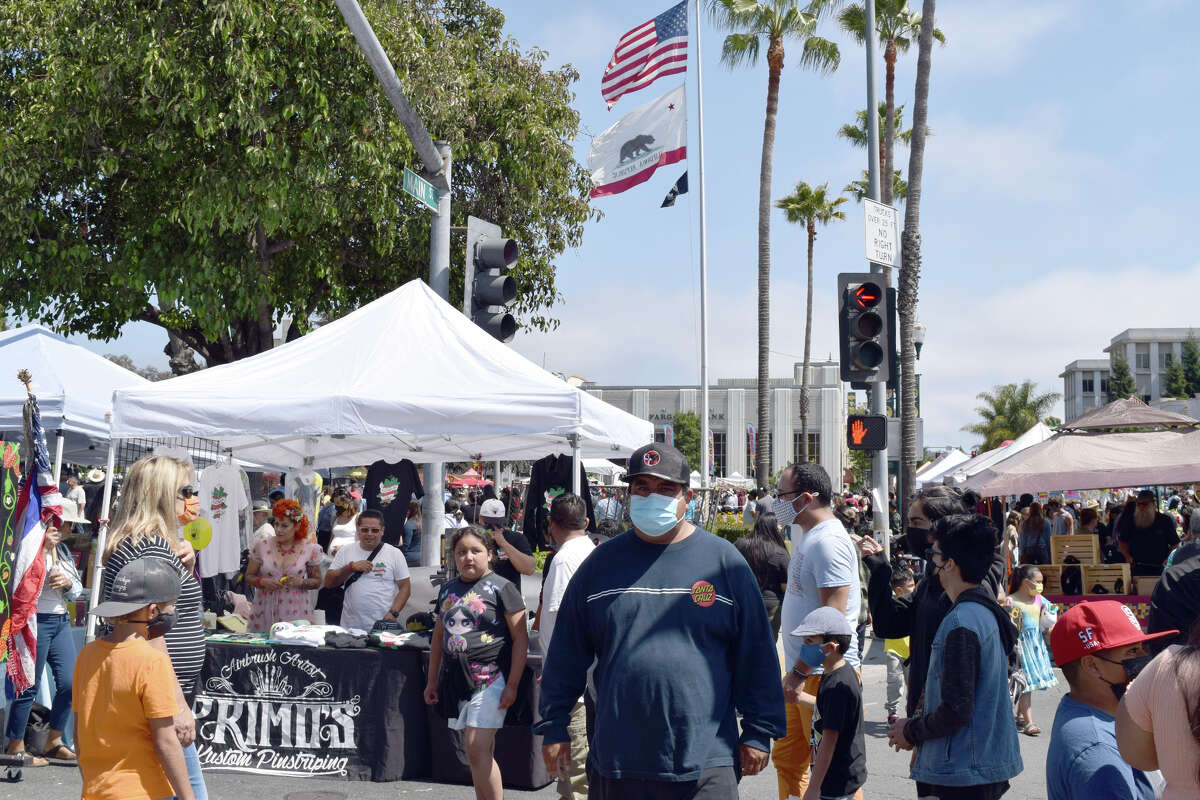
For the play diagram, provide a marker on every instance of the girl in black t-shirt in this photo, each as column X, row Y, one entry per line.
column 478, row 651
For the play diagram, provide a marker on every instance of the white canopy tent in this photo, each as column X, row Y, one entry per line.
column 607, row 470
column 1038, row 433
column 943, row 465
column 406, row 376
column 74, row 388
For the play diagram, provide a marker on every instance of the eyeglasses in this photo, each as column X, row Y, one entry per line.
column 188, row 492
column 364, row 529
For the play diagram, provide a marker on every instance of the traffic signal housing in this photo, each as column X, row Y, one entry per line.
column 864, row 327
column 490, row 291
column 866, row 432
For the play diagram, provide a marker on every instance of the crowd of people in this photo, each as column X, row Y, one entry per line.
column 969, row 638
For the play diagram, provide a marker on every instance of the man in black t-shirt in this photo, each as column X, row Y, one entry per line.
column 839, row 752
column 514, row 555
column 1147, row 536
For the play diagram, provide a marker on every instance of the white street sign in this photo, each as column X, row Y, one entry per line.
column 882, row 233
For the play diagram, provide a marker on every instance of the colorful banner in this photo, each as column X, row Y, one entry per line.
column 669, row 433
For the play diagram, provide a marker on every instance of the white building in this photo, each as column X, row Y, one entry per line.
column 733, row 404
column 1085, row 386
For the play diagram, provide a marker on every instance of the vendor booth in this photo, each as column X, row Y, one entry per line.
column 404, row 377
column 935, row 471
column 959, row 474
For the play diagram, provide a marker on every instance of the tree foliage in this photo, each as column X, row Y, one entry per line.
column 1191, row 364
column 213, row 166
column 147, row 372
column 1008, row 411
column 1120, row 383
column 687, row 437
column 1176, row 383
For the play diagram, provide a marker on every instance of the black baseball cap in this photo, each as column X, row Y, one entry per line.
column 660, row 460
column 138, row 584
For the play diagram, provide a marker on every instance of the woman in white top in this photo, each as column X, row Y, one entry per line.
column 345, row 524
column 54, row 644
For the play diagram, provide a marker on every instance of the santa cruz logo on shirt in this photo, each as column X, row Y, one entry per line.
column 704, row 594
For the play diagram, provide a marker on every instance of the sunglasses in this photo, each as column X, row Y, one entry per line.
column 188, row 492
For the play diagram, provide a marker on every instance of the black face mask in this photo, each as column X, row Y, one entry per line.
column 1133, row 667
column 158, row 626
column 916, row 541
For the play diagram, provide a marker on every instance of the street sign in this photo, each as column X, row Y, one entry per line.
column 882, row 233
column 866, row 432
column 420, row 190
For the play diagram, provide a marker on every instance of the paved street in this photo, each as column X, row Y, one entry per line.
column 888, row 769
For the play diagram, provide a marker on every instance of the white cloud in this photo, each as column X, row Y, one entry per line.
column 994, row 36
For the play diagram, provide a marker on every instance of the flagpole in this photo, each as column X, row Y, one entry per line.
column 705, row 429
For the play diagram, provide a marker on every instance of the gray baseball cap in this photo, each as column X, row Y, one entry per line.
column 137, row 585
column 824, row 621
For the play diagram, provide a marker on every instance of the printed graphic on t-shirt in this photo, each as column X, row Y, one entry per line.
column 550, row 494
column 704, row 594
column 219, row 503
column 388, row 488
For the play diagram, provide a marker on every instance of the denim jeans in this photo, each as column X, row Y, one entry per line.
column 195, row 776
column 56, row 648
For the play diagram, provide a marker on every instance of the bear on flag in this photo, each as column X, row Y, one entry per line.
column 645, row 139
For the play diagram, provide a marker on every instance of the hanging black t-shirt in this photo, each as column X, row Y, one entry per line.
column 550, row 477
column 839, row 708
column 389, row 488
column 502, row 566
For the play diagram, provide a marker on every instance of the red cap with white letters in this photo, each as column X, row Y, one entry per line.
column 1094, row 626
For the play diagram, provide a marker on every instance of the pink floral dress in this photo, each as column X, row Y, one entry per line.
column 287, row 603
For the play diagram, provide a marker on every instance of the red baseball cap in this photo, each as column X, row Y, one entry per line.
column 1094, row 626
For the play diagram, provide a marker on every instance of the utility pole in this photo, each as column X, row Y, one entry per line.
column 878, row 392
column 436, row 157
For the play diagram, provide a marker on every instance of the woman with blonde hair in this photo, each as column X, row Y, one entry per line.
column 159, row 497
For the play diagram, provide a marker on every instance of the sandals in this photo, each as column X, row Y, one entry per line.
column 60, row 755
column 1031, row 730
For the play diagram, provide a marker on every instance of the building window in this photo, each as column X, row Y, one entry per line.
column 1089, row 385
column 1104, row 386
column 1141, row 357
column 660, row 435
column 1165, row 357
column 720, row 461
column 814, row 447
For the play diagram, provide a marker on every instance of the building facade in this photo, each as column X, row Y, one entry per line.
column 1149, row 353
column 733, row 405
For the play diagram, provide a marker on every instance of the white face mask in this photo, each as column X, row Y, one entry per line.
column 785, row 511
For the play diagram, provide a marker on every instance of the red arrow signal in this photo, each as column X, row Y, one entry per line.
column 867, row 295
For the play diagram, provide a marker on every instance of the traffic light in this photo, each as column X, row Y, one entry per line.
column 866, row 432
column 863, row 326
column 490, row 291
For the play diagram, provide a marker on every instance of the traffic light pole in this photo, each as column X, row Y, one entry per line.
column 878, row 392
column 436, row 158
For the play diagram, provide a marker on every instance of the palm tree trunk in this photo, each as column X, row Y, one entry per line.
column 812, row 238
column 910, row 262
column 889, row 124
column 775, row 69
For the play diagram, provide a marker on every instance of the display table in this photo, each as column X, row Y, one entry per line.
column 355, row 714
column 1138, row 604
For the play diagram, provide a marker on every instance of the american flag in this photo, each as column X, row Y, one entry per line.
column 38, row 503
column 646, row 53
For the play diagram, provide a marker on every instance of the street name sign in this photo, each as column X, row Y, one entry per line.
column 420, row 190
column 882, row 233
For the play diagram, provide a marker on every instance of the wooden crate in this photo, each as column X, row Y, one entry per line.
column 1144, row 585
column 1051, row 578
column 1084, row 546
column 1107, row 576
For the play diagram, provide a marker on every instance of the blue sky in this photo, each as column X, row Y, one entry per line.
column 1058, row 185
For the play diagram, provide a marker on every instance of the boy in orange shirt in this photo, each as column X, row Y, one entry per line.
column 125, row 693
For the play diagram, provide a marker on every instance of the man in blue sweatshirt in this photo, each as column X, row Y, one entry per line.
column 673, row 619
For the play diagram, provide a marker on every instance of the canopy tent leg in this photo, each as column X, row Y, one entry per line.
column 576, row 459
column 58, row 456
column 101, row 539
column 433, row 517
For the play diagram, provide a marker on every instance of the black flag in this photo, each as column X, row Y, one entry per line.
column 679, row 188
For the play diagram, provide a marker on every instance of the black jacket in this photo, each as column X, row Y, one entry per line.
column 1175, row 604
column 916, row 615
column 550, row 477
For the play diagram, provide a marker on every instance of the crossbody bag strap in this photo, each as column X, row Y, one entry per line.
column 357, row 575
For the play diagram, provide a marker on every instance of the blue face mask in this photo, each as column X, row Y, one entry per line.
column 655, row 514
column 812, row 655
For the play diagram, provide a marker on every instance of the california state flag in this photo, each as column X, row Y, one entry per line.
column 645, row 139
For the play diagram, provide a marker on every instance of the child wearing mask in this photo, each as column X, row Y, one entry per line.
column 1034, row 617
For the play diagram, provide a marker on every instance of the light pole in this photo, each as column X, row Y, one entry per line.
column 918, row 340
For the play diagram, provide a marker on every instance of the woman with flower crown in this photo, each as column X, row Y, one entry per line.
column 283, row 570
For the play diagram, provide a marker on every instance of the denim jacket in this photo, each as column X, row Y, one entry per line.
column 985, row 750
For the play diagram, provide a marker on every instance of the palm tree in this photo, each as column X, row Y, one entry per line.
column 896, row 24
column 1010, row 410
column 753, row 23
column 910, row 257
column 858, row 135
column 810, row 206
column 862, row 187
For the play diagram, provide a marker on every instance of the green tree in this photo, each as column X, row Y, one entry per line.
column 687, row 437
column 910, row 249
column 896, row 25
column 1053, row 423
column 1176, row 381
column 212, row 168
column 862, row 188
column 1191, row 364
column 1120, row 382
column 809, row 206
column 755, row 22
column 858, row 136
column 1008, row 411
